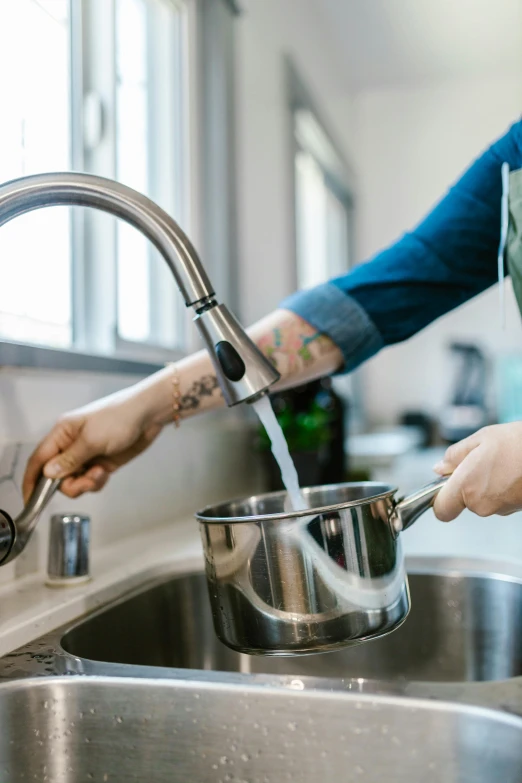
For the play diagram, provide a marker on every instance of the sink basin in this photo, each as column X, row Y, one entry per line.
column 108, row 730
column 463, row 627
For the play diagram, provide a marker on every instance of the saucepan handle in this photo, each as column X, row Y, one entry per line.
column 410, row 508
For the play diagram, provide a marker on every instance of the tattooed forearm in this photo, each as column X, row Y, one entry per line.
column 298, row 351
column 295, row 347
column 203, row 388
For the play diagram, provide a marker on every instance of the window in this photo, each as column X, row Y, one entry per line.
column 35, row 137
column 324, row 213
column 149, row 109
column 322, row 204
column 99, row 86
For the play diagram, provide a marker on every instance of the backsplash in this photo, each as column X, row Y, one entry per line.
column 208, row 458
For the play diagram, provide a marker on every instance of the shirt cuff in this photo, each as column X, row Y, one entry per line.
column 341, row 318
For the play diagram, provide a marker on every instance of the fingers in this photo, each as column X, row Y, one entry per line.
column 456, row 454
column 451, row 500
column 71, row 460
column 66, row 453
column 449, row 503
column 92, row 481
column 98, row 475
column 44, row 452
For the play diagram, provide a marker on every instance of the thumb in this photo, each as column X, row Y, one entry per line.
column 71, row 460
column 456, row 454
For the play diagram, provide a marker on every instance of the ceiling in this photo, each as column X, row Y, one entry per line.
column 384, row 42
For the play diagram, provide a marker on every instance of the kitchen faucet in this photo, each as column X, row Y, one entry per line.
column 243, row 372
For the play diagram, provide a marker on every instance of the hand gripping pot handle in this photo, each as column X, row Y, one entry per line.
column 410, row 508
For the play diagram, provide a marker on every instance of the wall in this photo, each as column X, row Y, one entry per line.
column 412, row 143
column 268, row 30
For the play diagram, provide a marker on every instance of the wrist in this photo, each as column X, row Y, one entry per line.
column 154, row 400
column 179, row 391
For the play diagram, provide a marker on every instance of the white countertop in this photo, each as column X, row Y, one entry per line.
column 29, row 608
column 492, row 538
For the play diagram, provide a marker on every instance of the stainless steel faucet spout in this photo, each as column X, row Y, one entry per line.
column 242, row 370
column 86, row 190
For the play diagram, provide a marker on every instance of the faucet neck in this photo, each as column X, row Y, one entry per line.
column 86, row 190
column 242, row 370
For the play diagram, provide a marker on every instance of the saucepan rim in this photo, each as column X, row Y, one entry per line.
column 207, row 516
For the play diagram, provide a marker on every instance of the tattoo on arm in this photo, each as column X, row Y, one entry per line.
column 289, row 350
column 203, row 387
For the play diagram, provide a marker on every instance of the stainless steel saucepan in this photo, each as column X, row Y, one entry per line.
column 288, row 583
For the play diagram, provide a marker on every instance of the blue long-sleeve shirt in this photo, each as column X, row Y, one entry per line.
column 448, row 258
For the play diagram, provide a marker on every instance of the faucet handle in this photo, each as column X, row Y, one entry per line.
column 15, row 534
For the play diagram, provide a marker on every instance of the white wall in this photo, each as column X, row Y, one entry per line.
column 267, row 31
column 412, row 143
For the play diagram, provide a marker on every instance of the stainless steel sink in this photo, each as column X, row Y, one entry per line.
column 463, row 627
column 77, row 730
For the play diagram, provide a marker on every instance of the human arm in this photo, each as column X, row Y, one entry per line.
column 447, row 259
column 89, row 444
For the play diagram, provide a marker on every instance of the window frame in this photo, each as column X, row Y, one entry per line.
column 96, row 317
column 97, row 346
column 338, row 174
column 342, row 181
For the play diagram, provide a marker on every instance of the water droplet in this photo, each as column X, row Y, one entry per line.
column 292, row 726
column 245, row 757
